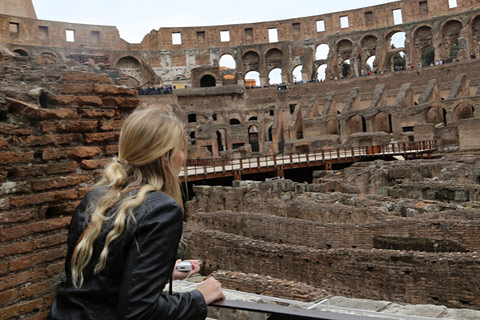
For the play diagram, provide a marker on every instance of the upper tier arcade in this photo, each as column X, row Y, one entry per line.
column 398, row 35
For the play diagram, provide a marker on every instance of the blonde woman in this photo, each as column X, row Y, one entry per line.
column 124, row 235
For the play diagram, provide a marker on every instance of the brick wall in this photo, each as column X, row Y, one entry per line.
column 450, row 279
column 337, row 235
column 49, row 158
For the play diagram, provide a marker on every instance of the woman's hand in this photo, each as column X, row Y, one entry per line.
column 211, row 290
column 180, row 275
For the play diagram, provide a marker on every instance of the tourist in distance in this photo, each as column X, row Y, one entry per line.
column 124, row 234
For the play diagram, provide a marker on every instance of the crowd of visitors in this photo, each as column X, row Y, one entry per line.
column 155, row 90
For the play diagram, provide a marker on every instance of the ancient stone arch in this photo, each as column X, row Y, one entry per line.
column 132, row 67
column 21, row 52
column 463, row 110
column 368, row 45
column 423, row 40
column 437, row 114
column 274, row 59
column 344, row 53
column 356, row 124
column 382, row 122
column 251, row 61
column 321, row 52
column 207, row 80
column 450, row 33
column 332, row 126
column 476, row 35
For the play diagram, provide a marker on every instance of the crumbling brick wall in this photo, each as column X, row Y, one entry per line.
column 403, row 276
column 49, row 158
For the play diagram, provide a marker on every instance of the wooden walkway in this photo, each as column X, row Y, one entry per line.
column 220, row 168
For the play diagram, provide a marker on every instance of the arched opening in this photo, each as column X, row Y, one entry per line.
column 356, row 124
column 297, row 74
column 274, row 58
column 252, row 79
column 450, row 34
column 192, row 117
column 227, row 61
column 253, row 119
column 346, row 68
column 424, row 51
column 270, row 135
column 131, row 67
column 21, row 52
column 383, row 122
column 369, row 50
column 251, row 61
column 344, row 52
column 219, row 141
column 463, row 111
column 227, row 66
column 371, row 65
column 322, row 51
column 428, row 56
column 253, row 138
column 397, row 40
column 208, row 81
column 331, row 127
column 275, row 76
column 322, row 72
column 436, row 115
column 399, row 61
column 234, row 121
column 476, row 36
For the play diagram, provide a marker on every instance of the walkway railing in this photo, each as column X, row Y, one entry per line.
column 211, row 168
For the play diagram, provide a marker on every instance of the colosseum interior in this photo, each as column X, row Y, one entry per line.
column 395, row 234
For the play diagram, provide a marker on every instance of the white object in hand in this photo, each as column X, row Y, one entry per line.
column 184, row 266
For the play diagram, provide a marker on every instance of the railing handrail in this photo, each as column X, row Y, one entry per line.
column 292, row 312
column 291, row 159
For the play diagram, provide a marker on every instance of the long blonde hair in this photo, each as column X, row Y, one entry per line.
column 148, row 140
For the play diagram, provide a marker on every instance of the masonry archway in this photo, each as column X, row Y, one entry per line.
column 356, row 124
column 321, row 53
column 131, row 67
column 383, row 122
column 21, row 52
column 274, row 58
column 275, row 76
column 253, row 138
column 476, row 35
column 344, row 53
column 251, row 61
column 297, row 74
column 424, row 50
column 208, row 81
column 252, row 79
column 322, row 72
column 436, row 115
column 227, row 66
column 332, row 127
column 450, row 33
column 396, row 40
column 463, row 111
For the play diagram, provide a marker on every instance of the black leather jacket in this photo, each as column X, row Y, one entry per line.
column 139, row 264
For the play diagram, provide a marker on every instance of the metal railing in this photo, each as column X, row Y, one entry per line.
column 278, row 312
column 206, row 167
